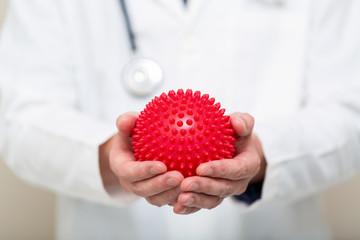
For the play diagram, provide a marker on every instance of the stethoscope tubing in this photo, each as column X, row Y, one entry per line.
column 141, row 75
column 129, row 28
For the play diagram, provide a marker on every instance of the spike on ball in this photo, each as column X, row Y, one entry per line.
column 183, row 129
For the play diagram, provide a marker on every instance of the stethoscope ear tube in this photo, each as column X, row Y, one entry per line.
column 129, row 28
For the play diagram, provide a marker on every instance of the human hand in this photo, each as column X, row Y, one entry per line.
column 220, row 179
column 147, row 179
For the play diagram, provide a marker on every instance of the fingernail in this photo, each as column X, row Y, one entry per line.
column 155, row 170
column 188, row 203
column 194, row 187
column 243, row 123
column 172, row 182
column 207, row 172
column 183, row 211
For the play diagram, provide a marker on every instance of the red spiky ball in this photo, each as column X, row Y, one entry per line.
column 183, row 130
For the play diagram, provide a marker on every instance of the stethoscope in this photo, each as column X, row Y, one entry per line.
column 141, row 76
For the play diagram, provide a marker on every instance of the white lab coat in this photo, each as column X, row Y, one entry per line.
column 294, row 66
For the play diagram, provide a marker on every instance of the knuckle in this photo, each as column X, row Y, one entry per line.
column 143, row 170
column 238, row 174
column 153, row 201
column 218, row 201
column 115, row 166
column 172, row 199
column 221, row 169
column 122, row 175
column 124, row 172
column 215, row 203
column 255, row 168
column 138, row 190
column 240, row 169
column 242, row 189
column 226, row 190
column 150, row 200
column 245, row 170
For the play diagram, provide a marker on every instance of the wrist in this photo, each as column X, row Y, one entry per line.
column 259, row 177
column 107, row 175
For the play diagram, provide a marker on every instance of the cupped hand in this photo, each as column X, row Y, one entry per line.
column 148, row 179
column 217, row 180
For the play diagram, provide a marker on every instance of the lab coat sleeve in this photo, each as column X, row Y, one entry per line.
column 44, row 136
column 319, row 145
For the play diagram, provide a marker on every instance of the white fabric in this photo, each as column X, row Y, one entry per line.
column 292, row 64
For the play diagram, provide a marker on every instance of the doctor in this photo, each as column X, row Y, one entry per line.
column 293, row 65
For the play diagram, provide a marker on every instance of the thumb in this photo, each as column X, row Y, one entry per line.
column 125, row 123
column 243, row 123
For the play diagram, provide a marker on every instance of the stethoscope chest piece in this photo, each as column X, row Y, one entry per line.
column 141, row 76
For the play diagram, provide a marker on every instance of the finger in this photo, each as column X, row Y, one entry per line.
column 126, row 123
column 214, row 186
column 180, row 209
column 156, row 185
column 199, row 200
column 124, row 165
column 133, row 171
column 244, row 165
column 243, row 124
column 121, row 146
column 168, row 197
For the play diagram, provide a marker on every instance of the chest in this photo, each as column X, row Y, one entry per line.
column 239, row 51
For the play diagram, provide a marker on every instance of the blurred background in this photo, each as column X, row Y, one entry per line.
column 27, row 212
